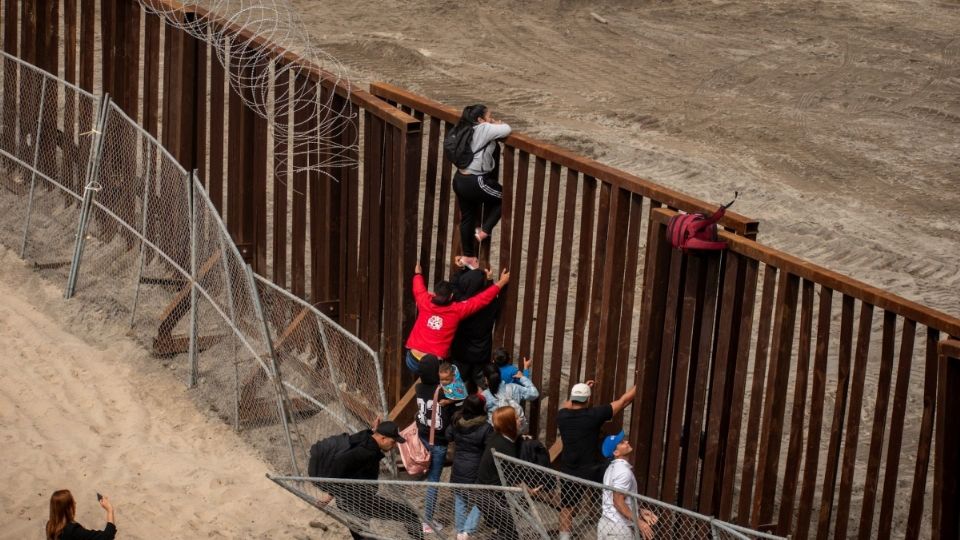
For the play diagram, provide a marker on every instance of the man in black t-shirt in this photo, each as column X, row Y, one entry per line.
column 579, row 425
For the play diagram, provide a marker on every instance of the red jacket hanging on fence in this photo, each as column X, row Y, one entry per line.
column 435, row 327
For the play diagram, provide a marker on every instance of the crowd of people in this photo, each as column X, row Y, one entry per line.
column 473, row 397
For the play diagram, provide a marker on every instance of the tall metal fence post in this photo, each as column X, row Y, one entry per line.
column 517, row 511
column 635, row 512
column 192, row 381
column 946, row 478
column 149, row 157
column 89, row 187
column 385, row 414
column 33, row 172
column 281, row 394
column 236, row 394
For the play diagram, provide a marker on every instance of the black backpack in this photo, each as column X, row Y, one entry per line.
column 533, row 451
column 457, row 144
column 323, row 452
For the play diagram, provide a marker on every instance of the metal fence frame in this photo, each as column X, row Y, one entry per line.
column 512, row 494
column 250, row 333
column 719, row 529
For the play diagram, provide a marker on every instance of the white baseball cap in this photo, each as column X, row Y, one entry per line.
column 580, row 393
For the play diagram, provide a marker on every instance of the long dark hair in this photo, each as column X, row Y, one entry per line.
column 62, row 511
column 471, row 115
column 472, row 408
column 492, row 374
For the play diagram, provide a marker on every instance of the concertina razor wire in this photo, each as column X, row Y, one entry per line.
column 150, row 249
column 244, row 35
column 98, row 205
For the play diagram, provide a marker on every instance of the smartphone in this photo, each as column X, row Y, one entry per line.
column 99, row 497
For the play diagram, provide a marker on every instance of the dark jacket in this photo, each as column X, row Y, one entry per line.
column 487, row 473
column 361, row 461
column 473, row 342
column 470, row 438
column 75, row 531
column 429, row 381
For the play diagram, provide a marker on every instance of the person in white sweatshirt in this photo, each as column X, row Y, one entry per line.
column 478, row 191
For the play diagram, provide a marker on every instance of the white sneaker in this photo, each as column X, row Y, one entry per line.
column 463, row 536
column 427, row 529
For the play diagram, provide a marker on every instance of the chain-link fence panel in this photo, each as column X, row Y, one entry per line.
column 234, row 371
column 394, row 509
column 42, row 162
column 723, row 531
column 332, row 379
column 587, row 509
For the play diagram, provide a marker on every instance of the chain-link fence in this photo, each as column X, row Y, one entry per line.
column 586, row 510
column 98, row 205
column 394, row 509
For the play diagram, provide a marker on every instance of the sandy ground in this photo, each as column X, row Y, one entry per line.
column 85, row 408
column 839, row 121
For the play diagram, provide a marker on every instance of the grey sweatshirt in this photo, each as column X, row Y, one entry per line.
column 482, row 135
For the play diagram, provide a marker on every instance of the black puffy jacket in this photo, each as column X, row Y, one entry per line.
column 470, row 437
column 473, row 342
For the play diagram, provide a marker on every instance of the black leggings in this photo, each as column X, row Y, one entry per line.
column 478, row 195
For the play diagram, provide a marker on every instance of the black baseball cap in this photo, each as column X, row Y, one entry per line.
column 390, row 429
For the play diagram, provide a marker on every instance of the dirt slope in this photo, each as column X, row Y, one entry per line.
column 839, row 121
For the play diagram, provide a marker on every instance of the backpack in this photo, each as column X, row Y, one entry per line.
column 457, row 146
column 323, row 452
column 533, row 451
column 697, row 231
column 505, row 398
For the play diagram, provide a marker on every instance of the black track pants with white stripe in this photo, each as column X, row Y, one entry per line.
column 479, row 197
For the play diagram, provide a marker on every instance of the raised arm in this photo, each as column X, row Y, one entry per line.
column 524, row 389
column 624, row 400
column 490, row 131
column 478, row 302
column 420, row 294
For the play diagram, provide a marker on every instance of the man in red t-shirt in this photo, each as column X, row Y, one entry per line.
column 438, row 316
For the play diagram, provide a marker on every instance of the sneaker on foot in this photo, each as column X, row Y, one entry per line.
column 427, row 529
column 463, row 536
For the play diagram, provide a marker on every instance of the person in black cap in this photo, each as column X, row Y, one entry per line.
column 362, row 462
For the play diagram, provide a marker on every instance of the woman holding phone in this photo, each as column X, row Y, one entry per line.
column 63, row 510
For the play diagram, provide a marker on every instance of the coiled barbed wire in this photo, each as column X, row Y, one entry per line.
column 247, row 36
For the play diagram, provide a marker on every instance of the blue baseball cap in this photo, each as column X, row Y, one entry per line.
column 610, row 444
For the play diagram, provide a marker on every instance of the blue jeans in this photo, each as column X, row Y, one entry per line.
column 466, row 523
column 438, row 454
column 413, row 365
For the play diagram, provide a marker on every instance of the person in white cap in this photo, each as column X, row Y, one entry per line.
column 579, row 426
column 620, row 514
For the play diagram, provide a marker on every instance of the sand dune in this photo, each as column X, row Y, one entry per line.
column 85, row 408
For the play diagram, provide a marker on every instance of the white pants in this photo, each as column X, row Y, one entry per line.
column 608, row 529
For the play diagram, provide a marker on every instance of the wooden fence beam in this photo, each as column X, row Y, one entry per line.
column 946, row 481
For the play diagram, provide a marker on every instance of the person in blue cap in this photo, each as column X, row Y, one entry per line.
column 619, row 514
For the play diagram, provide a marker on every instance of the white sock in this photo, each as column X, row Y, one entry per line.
column 564, row 535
